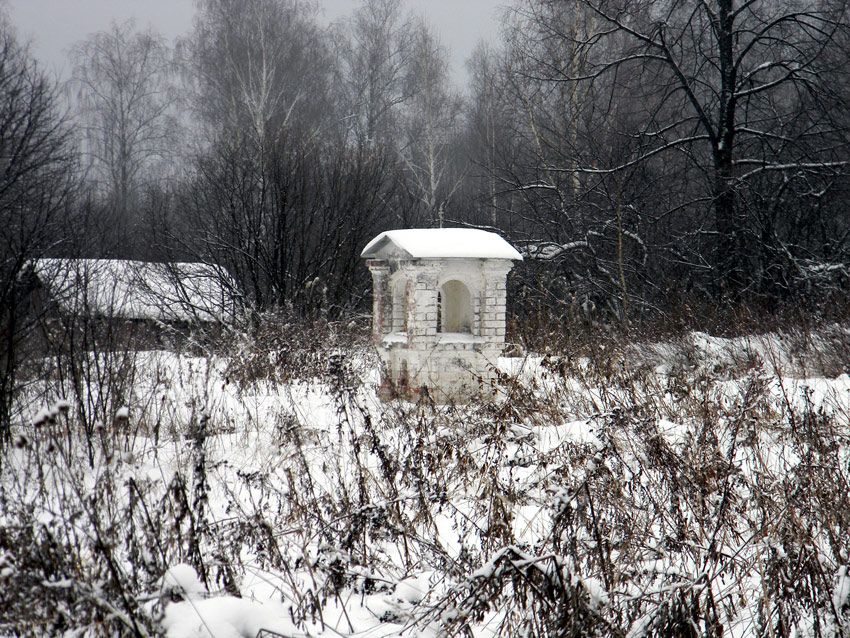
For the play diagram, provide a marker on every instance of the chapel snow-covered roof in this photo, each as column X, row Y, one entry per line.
column 179, row 291
column 440, row 243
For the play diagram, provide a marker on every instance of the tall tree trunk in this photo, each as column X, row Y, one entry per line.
column 729, row 223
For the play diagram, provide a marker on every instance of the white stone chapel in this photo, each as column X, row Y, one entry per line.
column 438, row 317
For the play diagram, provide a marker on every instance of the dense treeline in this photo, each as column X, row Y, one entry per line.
column 693, row 146
column 638, row 151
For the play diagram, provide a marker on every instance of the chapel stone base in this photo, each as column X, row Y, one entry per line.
column 448, row 372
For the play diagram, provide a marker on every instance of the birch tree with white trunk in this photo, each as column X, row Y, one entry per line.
column 431, row 126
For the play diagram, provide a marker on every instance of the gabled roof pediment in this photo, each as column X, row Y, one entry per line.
column 439, row 243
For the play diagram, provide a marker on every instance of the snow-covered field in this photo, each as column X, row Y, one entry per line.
column 690, row 488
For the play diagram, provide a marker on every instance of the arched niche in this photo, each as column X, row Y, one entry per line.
column 454, row 308
column 398, row 315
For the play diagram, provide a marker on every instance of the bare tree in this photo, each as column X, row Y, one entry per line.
column 36, row 184
column 299, row 245
column 122, row 82
column 259, row 67
column 375, row 51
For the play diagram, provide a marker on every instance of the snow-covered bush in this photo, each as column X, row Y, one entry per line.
column 278, row 348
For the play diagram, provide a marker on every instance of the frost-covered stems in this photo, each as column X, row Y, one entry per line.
column 200, row 487
column 638, row 489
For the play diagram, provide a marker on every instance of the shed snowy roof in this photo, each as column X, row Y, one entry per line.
column 181, row 291
column 425, row 243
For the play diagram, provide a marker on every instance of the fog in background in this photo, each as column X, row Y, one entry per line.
column 53, row 26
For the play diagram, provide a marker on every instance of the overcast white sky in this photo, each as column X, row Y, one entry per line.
column 54, row 25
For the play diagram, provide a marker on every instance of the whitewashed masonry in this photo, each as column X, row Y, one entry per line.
column 438, row 313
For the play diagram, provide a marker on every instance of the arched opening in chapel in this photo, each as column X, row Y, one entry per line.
column 454, row 308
